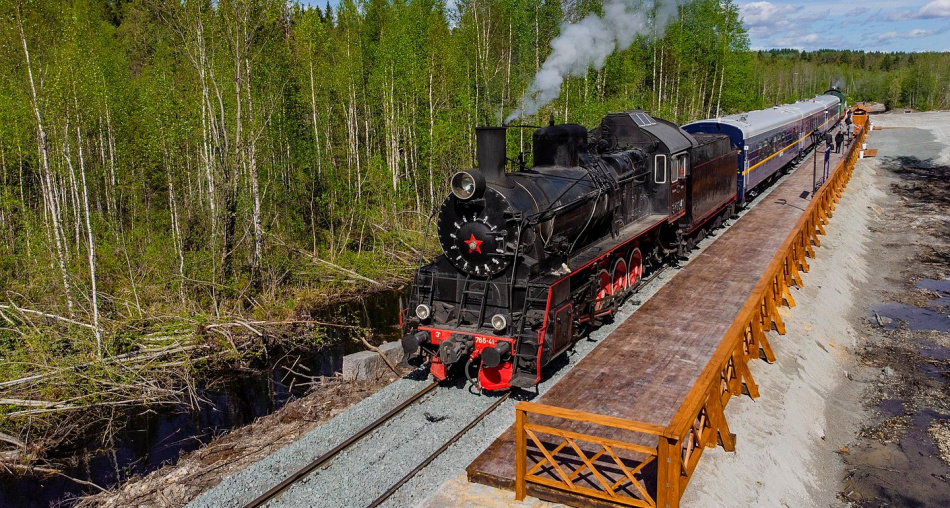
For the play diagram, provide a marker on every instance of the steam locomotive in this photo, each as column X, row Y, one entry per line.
column 533, row 258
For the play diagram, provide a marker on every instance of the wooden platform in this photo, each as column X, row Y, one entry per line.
column 640, row 379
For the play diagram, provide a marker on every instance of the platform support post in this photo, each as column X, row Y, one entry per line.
column 521, row 456
column 669, row 464
column 743, row 373
column 717, row 417
column 760, row 340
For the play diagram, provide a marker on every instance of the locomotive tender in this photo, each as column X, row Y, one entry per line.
column 533, row 258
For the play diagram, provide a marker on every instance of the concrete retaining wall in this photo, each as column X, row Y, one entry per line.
column 369, row 365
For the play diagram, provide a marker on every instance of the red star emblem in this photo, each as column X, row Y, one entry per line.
column 474, row 245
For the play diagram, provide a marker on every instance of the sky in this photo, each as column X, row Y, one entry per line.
column 870, row 25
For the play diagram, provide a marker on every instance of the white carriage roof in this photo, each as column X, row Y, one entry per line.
column 761, row 121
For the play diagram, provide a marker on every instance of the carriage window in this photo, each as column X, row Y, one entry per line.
column 681, row 166
column 659, row 170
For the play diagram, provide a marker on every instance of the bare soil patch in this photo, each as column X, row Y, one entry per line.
column 901, row 454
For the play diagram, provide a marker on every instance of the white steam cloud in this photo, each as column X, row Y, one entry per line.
column 587, row 44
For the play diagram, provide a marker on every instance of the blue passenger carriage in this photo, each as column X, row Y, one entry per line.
column 769, row 140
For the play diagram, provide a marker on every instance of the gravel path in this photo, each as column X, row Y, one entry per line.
column 360, row 474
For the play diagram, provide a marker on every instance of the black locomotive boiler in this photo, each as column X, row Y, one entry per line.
column 532, row 257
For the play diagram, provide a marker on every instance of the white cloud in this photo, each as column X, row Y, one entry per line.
column 893, row 25
column 814, row 15
column 935, row 9
column 796, row 41
column 913, row 34
column 758, row 14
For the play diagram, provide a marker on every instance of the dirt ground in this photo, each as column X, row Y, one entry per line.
column 901, row 454
column 195, row 472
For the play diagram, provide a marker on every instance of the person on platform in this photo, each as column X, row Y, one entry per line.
column 827, row 166
column 839, row 140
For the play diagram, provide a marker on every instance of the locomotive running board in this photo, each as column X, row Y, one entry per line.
column 629, row 232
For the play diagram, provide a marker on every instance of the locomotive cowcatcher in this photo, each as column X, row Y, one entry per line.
column 532, row 258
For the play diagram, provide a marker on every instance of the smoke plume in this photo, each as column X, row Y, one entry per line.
column 587, row 44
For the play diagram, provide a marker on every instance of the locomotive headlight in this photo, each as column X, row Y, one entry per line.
column 468, row 184
column 499, row 322
column 423, row 311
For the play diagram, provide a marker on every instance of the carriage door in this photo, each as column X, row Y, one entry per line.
column 677, row 186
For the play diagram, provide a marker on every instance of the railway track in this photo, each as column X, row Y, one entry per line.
column 327, row 457
column 283, row 486
column 358, row 436
column 315, row 493
column 402, row 481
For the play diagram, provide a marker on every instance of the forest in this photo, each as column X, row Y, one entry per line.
column 169, row 169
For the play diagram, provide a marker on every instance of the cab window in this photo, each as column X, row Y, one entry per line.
column 659, row 171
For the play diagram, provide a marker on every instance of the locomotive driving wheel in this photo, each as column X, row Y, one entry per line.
column 603, row 294
column 619, row 280
column 636, row 267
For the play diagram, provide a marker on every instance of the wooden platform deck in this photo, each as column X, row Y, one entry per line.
column 604, row 434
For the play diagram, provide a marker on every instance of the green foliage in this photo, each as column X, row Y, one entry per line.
column 230, row 148
column 240, row 156
column 913, row 80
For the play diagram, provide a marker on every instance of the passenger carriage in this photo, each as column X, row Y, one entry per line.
column 768, row 140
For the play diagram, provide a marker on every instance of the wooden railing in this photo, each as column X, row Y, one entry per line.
column 584, row 463
column 615, row 471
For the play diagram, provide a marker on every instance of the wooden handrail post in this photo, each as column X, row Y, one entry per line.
column 521, row 455
column 669, row 467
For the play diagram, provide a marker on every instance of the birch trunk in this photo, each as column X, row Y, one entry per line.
column 110, row 196
column 431, row 143
column 258, row 254
column 91, row 249
column 176, row 231
column 316, row 127
column 26, row 228
column 4, row 210
column 73, row 187
column 49, row 195
column 722, row 79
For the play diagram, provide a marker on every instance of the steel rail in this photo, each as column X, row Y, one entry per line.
column 392, row 490
column 323, row 459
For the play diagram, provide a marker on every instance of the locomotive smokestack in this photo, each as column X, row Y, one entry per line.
column 490, row 150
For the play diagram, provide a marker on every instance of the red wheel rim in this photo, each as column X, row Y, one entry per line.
column 619, row 282
column 636, row 266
